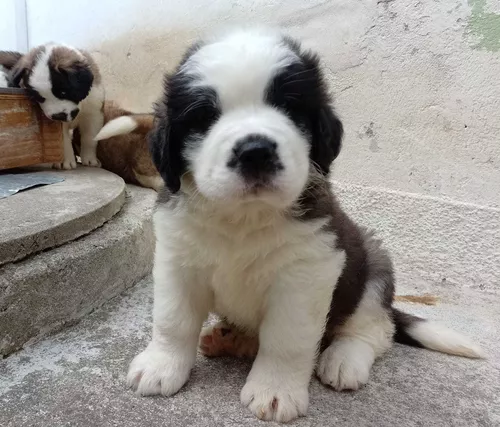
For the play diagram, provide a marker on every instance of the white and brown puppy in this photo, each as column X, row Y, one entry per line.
column 123, row 146
column 248, row 228
column 66, row 83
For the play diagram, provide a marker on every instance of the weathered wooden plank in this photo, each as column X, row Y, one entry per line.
column 27, row 137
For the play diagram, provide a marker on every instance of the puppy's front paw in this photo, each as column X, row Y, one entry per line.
column 68, row 164
column 155, row 371
column 91, row 161
column 345, row 364
column 280, row 401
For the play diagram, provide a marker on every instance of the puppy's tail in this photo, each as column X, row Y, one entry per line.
column 417, row 332
column 134, row 123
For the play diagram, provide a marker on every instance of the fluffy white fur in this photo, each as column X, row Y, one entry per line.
column 216, row 181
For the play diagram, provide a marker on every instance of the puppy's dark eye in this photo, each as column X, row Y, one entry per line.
column 200, row 119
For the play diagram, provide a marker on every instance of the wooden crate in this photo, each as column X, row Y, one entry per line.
column 27, row 137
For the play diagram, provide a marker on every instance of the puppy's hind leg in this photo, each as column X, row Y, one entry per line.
column 223, row 339
column 368, row 332
column 366, row 335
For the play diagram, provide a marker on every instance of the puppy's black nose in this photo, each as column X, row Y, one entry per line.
column 74, row 113
column 256, row 157
column 59, row 116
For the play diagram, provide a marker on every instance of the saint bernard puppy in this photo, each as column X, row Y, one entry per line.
column 248, row 227
column 66, row 83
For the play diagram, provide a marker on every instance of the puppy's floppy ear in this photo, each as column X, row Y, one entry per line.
column 327, row 129
column 326, row 139
column 80, row 78
column 165, row 150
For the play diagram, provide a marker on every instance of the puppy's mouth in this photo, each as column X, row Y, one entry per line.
column 257, row 187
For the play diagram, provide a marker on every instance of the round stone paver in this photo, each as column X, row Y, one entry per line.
column 44, row 217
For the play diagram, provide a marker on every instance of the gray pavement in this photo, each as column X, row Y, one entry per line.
column 77, row 377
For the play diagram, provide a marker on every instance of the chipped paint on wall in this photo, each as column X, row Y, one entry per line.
column 484, row 26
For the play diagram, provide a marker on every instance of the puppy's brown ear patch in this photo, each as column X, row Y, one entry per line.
column 64, row 59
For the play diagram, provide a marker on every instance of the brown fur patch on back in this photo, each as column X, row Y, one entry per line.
column 144, row 122
column 8, row 58
column 128, row 155
column 425, row 299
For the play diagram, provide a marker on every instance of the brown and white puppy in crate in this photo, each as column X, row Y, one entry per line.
column 66, row 83
column 123, row 146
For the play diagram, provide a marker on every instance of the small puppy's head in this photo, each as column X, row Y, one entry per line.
column 247, row 116
column 57, row 77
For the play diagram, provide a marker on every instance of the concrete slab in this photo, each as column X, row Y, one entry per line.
column 44, row 292
column 49, row 216
column 77, row 378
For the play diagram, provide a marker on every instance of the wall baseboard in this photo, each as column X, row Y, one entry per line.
column 432, row 240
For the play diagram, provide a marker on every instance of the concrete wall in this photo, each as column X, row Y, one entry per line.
column 416, row 84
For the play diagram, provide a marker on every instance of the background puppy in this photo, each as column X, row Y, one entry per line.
column 4, row 82
column 248, row 227
column 66, row 83
column 123, row 146
column 7, row 60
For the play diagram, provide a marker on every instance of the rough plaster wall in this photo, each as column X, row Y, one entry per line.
column 416, row 84
column 419, row 95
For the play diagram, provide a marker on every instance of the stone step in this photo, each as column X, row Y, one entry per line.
column 43, row 292
column 48, row 216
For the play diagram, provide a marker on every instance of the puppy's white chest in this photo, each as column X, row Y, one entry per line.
column 244, row 268
column 240, row 290
column 241, row 264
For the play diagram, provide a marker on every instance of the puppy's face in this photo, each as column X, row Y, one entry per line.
column 57, row 77
column 247, row 116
